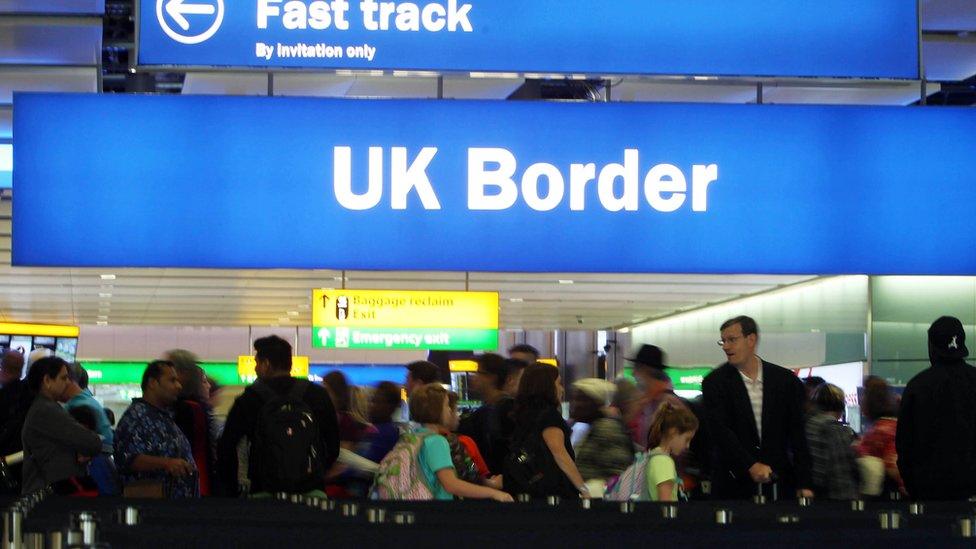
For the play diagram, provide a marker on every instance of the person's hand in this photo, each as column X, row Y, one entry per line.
column 612, row 411
column 804, row 493
column 503, row 497
column 494, row 482
column 178, row 468
column 760, row 472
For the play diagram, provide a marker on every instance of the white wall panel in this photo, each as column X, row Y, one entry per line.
column 797, row 325
column 46, row 41
column 83, row 7
column 225, row 83
column 948, row 60
column 46, row 80
column 948, row 15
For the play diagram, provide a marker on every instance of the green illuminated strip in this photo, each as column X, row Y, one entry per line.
column 129, row 373
column 447, row 339
column 687, row 379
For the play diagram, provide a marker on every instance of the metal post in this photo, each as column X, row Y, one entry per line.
column 759, row 93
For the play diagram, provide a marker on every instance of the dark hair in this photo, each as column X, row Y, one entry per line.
column 452, row 400
column 829, row 398
column 13, row 361
column 878, row 400
column 514, row 365
column 384, row 401
column 537, row 388
column 670, row 416
column 424, row 371
column 813, row 382
column 83, row 415
column 48, row 367
column 388, row 392
column 190, row 372
column 748, row 325
column 275, row 350
column 494, row 365
column 154, row 370
column 524, row 348
column 338, row 386
column 427, row 403
column 78, row 374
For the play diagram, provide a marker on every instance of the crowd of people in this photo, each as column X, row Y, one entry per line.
column 756, row 430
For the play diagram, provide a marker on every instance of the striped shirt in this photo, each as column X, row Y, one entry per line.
column 755, row 390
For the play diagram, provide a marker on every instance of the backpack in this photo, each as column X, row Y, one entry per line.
column 400, row 477
column 463, row 464
column 631, row 484
column 287, row 441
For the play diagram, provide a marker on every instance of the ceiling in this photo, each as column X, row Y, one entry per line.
column 281, row 297
column 197, row 297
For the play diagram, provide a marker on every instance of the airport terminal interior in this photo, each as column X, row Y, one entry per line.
column 449, row 201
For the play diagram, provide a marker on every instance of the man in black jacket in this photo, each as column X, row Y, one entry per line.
column 273, row 357
column 755, row 416
column 936, row 436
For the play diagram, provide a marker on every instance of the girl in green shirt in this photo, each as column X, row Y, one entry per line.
column 672, row 428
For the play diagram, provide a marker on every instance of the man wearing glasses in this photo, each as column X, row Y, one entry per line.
column 755, row 413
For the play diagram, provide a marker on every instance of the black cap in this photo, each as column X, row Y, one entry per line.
column 651, row 358
column 947, row 338
column 649, row 355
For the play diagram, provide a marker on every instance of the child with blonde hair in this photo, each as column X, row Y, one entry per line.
column 654, row 475
column 420, row 466
column 669, row 436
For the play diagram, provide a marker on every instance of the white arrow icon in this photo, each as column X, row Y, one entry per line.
column 178, row 10
column 172, row 19
column 324, row 335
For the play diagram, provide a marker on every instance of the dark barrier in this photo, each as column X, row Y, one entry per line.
column 294, row 521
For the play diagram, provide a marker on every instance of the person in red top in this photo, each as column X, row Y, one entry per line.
column 468, row 461
column 194, row 416
column 881, row 409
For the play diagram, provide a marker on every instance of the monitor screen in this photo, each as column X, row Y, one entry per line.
column 67, row 348
column 21, row 344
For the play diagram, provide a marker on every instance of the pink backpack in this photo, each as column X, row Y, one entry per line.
column 632, row 483
column 400, row 477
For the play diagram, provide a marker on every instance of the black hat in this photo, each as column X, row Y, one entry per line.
column 651, row 356
column 947, row 338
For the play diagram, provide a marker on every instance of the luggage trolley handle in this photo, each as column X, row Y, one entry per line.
column 773, row 484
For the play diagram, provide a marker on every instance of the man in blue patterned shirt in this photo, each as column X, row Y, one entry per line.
column 149, row 447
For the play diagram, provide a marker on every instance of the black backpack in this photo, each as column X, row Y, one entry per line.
column 287, row 441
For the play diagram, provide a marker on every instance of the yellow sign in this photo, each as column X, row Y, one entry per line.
column 549, row 361
column 246, row 366
column 49, row 330
column 404, row 309
column 463, row 366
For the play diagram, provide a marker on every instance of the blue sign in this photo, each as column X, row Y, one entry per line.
column 244, row 182
column 825, row 38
